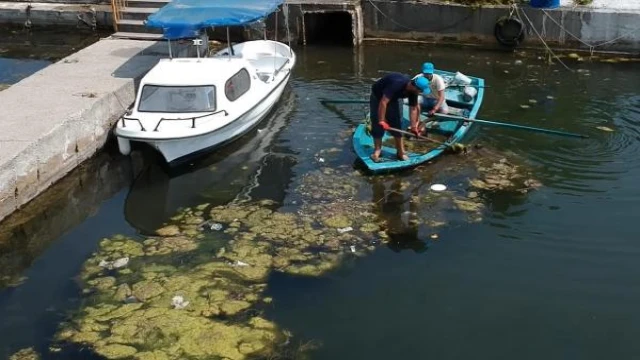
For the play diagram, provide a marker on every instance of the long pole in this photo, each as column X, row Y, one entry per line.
column 229, row 43
column 513, row 126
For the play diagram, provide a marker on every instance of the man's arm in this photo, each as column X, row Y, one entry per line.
column 440, row 100
column 414, row 118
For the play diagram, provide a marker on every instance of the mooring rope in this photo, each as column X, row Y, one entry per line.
column 517, row 10
column 591, row 46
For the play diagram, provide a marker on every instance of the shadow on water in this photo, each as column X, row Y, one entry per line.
column 392, row 203
column 216, row 178
column 24, row 52
column 43, row 246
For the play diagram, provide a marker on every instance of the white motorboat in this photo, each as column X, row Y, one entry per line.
column 185, row 106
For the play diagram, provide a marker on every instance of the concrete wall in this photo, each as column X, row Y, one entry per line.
column 443, row 23
column 294, row 15
column 60, row 116
column 53, row 14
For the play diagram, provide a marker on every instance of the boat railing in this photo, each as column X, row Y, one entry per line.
column 281, row 67
column 193, row 119
column 124, row 125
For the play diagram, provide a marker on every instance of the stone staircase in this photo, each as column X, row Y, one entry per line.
column 132, row 17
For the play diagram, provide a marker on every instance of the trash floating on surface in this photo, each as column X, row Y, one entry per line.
column 178, row 302
column 114, row 264
column 434, row 236
column 353, row 248
column 344, row 230
column 524, row 106
column 216, row 226
column 533, row 101
column 438, row 187
column 604, row 128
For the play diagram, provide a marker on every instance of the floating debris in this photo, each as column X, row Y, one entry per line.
column 178, row 302
column 224, row 274
column 216, row 226
column 533, row 101
column 524, row 106
column 604, row 128
column 345, row 230
column 549, row 97
column 114, row 264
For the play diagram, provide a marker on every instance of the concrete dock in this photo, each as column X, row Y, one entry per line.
column 61, row 115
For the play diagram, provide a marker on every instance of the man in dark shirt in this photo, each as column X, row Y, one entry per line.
column 385, row 108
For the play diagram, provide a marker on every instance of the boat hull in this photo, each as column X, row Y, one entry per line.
column 181, row 136
column 388, row 162
column 177, row 150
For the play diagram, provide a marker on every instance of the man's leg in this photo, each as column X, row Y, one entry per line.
column 377, row 132
column 444, row 108
column 394, row 116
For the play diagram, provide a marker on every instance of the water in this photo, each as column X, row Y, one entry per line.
column 552, row 273
column 24, row 52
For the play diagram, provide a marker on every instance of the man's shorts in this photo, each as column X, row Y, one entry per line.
column 428, row 104
column 393, row 117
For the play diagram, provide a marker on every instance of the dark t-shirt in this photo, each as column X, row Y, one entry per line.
column 394, row 87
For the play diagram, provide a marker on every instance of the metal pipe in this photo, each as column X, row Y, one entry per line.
column 229, row 43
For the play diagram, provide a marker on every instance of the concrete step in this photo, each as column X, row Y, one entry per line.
column 136, row 26
column 137, row 36
column 137, row 13
column 147, row 3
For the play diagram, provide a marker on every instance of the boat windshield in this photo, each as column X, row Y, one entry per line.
column 177, row 99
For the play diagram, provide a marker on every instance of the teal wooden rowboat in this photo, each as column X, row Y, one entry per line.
column 454, row 129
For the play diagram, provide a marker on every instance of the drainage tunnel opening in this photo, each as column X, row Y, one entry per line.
column 333, row 28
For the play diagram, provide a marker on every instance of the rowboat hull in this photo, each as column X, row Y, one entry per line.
column 455, row 129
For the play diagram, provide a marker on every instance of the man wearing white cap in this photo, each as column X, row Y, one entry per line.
column 435, row 101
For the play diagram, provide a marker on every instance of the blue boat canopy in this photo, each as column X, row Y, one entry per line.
column 184, row 18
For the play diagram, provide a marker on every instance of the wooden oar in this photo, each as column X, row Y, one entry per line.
column 513, row 126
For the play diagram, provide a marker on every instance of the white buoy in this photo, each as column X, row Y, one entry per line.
column 438, row 187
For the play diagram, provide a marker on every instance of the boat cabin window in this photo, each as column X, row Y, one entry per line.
column 237, row 85
column 177, row 99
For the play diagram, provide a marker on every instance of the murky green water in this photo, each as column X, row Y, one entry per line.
column 547, row 273
column 23, row 51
